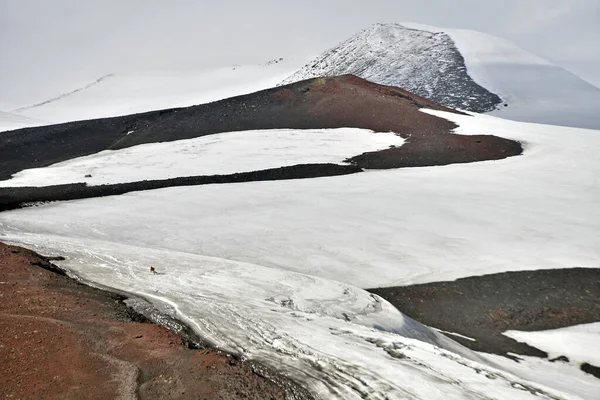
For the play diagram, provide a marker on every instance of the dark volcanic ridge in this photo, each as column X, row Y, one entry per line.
column 482, row 307
column 344, row 101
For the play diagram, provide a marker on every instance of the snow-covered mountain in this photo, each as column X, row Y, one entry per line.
column 463, row 69
column 422, row 62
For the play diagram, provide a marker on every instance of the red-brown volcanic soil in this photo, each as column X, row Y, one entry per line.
column 351, row 101
column 64, row 340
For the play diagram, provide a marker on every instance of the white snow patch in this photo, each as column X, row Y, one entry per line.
column 579, row 343
column 223, row 153
column 484, row 48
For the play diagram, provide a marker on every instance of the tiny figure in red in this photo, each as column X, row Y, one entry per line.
column 153, row 270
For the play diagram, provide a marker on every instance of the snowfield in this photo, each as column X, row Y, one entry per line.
column 123, row 93
column 225, row 153
column 273, row 271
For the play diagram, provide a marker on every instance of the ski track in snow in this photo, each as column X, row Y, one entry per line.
column 271, row 271
column 63, row 95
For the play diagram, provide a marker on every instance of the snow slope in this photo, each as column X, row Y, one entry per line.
column 127, row 93
column 431, row 62
column 271, row 270
column 579, row 343
column 9, row 121
column 225, row 153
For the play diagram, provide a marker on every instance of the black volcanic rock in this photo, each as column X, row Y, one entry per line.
column 483, row 307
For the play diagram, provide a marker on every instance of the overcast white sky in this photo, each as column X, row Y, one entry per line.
column 48, row 41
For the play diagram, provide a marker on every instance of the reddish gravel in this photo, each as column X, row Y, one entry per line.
column 64, row 340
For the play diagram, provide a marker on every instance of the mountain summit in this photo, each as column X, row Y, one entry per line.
column 463, row 69
column 425, row 63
